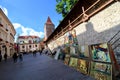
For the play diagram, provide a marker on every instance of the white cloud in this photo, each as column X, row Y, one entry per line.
column 16, row 25
column 27, row 31
column 4, row 10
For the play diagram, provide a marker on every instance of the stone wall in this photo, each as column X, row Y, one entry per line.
column 101, row 27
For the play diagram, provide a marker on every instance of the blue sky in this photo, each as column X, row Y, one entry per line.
column 29, row 16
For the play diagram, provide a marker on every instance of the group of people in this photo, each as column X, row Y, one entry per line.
column 34, row 52
column 15, row 57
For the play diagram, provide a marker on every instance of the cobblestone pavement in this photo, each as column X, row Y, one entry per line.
column 38, row 68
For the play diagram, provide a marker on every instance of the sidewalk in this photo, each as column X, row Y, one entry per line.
column 39, row 68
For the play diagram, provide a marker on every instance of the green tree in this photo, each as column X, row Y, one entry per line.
column 64, row 6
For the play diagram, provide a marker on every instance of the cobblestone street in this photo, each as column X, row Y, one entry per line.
column 38, row 68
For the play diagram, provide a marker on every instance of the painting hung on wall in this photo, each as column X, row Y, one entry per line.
column 74, row 51
column 100, row 52
column 67, row 59
column 73, row 43
column 66, row 39
column 101, row 71
column 83, row 66
column 66, row 49
column 84, row 51
column 73, row 62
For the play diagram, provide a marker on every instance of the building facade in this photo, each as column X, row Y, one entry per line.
column 7, row 33
column 28, row 43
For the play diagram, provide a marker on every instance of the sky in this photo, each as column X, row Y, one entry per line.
column 29, row 16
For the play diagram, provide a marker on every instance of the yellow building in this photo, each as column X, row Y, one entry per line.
column 7, row 33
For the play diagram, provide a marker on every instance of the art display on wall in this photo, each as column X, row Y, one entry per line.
column 83, row 66
column 73, row 62
column 66, row 39
column 70, row 43
column 74, row 47
column 67, row 59
column 100, row 52
column 84, row 51
column 67, row 49
column 101, row 71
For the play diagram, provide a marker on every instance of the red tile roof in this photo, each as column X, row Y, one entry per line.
column 49, row 21
column 25, row 37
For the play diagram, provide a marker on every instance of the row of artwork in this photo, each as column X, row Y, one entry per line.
column 100, row 71
column 94, row 60
column 98, row 52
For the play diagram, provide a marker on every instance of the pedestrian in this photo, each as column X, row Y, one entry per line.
column 0, row 56
column 20, row 57
column 15, row 57
column 40, row 52
column 5, row 57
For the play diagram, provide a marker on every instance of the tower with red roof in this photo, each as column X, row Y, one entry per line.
column 48, row 28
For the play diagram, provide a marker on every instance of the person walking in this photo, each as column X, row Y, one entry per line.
column 0, row 56
column 15, row 57
column 40, row 52
column 5, row 57
column 34, row 53
column 20, row 57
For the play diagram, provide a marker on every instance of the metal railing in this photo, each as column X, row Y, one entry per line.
column 115, row 40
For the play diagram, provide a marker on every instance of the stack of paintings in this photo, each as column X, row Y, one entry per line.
column 101, row 66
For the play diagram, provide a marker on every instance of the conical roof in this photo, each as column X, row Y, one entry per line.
column 49, row 21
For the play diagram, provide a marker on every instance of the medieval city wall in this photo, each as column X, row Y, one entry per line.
column 99, row 29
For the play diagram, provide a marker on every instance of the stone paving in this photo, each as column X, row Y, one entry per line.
column 39, row 68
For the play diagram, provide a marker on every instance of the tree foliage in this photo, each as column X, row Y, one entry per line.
column 64, row 6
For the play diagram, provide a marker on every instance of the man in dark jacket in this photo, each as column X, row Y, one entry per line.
column 15, row 57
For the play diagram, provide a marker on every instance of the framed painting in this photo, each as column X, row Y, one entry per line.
column 101, row 71
column 100, row 52
column 73, row 62
column 83, row 66
column 84, row 51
